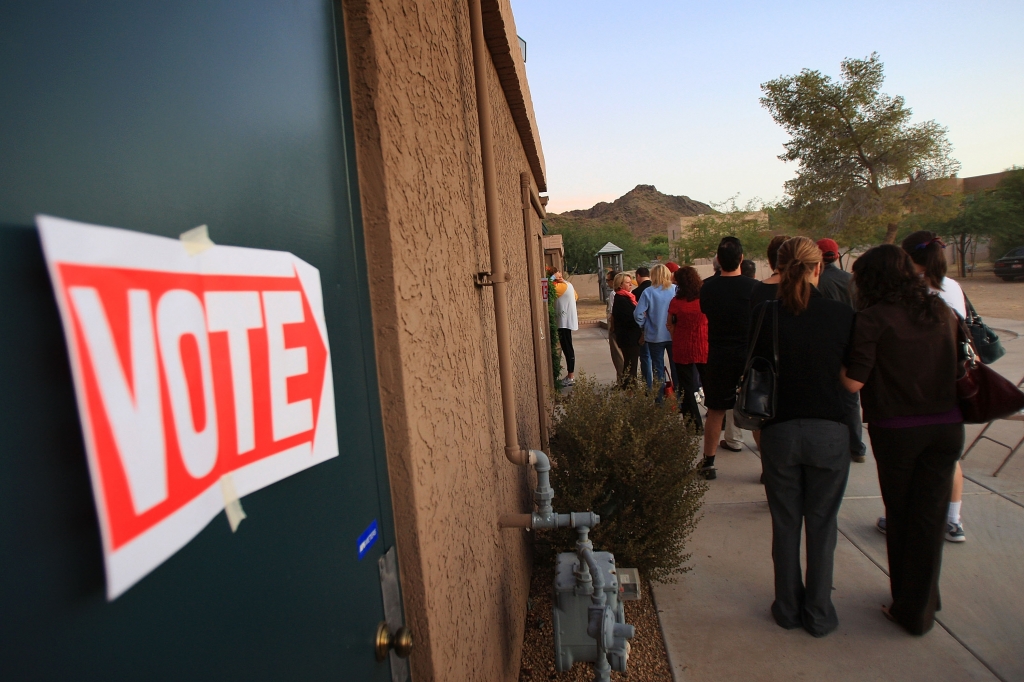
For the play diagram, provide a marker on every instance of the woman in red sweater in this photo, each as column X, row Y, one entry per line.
column 689, row 330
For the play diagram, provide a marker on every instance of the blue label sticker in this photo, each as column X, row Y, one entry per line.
column 366, row 540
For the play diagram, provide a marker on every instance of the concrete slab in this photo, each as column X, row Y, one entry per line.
column 716, row 619
column 718, row 626
column 593, row 355
column 981, row 582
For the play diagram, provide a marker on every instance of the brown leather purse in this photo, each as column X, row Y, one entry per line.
column 984, row 394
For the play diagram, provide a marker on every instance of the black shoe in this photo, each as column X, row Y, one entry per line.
column 857, row 457
column 709, row 472
column 723, row 444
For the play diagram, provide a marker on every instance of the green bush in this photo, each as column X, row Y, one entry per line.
column 556, row 350
column 634, row 463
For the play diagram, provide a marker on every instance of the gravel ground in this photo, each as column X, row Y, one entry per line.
column 648, row 661
column 992, row 297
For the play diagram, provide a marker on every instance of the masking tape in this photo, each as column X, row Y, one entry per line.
column 196, row 240
column 232, row 505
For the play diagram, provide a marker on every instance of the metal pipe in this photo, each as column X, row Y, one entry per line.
column 540, row 323
column 513, row 452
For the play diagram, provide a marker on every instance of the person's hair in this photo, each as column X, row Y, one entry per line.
column 885, row 274
column 926, row 249
column 730, row 253
column 610, row 275
column 796, row 260
column 688, row 283
column 773, row 250
column 661, row 277
column 643, row 272
column 620, row 280
column 748, row 268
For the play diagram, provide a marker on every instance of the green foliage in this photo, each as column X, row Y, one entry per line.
column 852, row 142
column 1002, row 212
column 701, row 239
column 997, row 213
column 556, row 354
column 634, row 463
column 582, row 239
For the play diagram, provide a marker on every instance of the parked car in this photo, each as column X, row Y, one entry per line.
column 1011, row 265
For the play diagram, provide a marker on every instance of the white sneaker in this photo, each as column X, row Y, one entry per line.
column 955, row 532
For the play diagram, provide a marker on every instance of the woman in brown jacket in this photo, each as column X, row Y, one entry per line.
column 903, row 359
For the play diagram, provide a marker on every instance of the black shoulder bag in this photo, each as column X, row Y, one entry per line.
column 986, row 342
column 755, row 395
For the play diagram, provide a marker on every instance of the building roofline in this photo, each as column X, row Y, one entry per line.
column 500, row 34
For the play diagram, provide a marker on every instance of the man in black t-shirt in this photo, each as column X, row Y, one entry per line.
column 836, row 285
column 725, row 301
column 643, row 280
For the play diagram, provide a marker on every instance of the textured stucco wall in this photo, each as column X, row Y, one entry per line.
column 417, row 140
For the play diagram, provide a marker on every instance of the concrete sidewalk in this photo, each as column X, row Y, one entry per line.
column 716, row 618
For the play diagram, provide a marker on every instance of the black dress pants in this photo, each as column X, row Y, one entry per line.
column 630, row 357
column 565, row 341
column 806, row 465
column 689, row 383
column 915, row 473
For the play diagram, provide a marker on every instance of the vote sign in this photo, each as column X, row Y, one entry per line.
column 187, row 369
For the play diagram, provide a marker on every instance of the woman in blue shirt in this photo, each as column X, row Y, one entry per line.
column 652, row 315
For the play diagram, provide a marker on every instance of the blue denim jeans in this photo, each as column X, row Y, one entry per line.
column 645, row 364
column 657, row 362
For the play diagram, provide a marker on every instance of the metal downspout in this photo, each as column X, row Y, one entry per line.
column 481, row 55
column 540, row 323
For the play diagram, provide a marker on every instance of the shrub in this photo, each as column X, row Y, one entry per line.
column 556, row 350
column 634, row 463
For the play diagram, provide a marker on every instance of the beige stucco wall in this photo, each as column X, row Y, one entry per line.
column 465, row 581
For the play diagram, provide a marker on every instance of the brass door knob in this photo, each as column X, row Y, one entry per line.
column 400, row 641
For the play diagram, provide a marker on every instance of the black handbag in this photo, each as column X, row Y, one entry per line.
column 986, row 342
column 755, row 395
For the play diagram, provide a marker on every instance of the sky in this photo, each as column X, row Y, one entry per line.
column 666, row 93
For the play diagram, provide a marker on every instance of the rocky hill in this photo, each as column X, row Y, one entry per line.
column 644, row 209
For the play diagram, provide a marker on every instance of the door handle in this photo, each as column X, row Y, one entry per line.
column 400, row 641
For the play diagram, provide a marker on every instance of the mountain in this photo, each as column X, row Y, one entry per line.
column 644, row 209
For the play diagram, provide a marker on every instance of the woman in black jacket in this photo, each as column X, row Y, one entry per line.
column 805, row 449
column 903, row 360
column 627, row 331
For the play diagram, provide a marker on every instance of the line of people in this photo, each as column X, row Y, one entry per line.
column 898, row 352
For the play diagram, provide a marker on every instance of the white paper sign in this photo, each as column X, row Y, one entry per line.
column 187, row 369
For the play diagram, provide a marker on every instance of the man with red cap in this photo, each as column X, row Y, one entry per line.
column 835, row 284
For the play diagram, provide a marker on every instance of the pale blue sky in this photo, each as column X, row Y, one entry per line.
column 666, row 93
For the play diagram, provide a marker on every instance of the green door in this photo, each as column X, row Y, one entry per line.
column 158, row 117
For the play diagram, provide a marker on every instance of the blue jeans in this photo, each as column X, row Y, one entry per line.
column 645, row 364
column 657, row 359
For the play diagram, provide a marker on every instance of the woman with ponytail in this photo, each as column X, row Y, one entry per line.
column 903, row 360
column 805, row 450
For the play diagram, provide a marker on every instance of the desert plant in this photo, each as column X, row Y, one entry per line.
column 556, row 350
column 633, row 462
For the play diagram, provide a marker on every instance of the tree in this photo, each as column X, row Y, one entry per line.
column 583, row 239
column 750, row 224
column 1003, row 208
column 862, row 164
column 966, row 219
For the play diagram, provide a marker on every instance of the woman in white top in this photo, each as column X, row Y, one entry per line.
column 567, row 322
column 926, row 251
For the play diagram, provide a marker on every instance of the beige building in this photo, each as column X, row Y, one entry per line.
column 422, row 190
